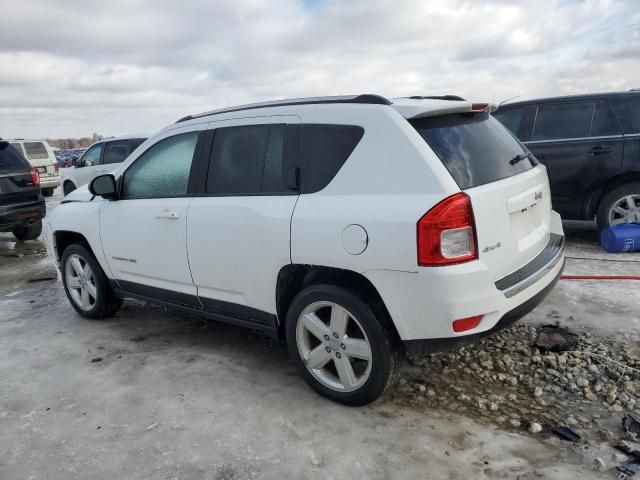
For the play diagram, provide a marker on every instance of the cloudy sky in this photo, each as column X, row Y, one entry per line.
column 73, row 67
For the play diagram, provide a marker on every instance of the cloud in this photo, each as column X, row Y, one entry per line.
column 71, row 67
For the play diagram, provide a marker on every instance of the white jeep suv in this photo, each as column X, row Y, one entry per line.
column 354, row 228
column 101, row 157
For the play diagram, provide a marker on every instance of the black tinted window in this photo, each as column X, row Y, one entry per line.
column 512, row 119
column 115, row 152
column 628, row 111
column 324, row 150
column 475, row 148
column 136, row 142
column 247, row 160
column 10, row 159
column 563, row 120
column 604, row 122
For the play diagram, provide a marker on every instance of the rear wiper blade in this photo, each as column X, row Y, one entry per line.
column 518, row 158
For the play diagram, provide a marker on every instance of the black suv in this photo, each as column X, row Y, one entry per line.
column 22, row 206
column 591, row 147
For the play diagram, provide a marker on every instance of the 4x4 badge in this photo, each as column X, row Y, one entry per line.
column 491, row 247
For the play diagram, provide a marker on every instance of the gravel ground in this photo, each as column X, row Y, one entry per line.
column 507, row 380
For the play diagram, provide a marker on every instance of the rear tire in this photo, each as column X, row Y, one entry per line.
column 341, row 370
column 30, row 232
column 620, row 205
column 48, row 192
column 86, row 285
column 68, row 187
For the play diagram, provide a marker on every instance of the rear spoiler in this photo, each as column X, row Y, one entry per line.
column 429, row 107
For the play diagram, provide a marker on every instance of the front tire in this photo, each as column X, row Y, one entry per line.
column 86, row 285
column 68, row 187
column 619, row 206
column 340, row 346
column 30, row 232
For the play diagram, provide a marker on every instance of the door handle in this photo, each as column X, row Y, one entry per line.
column 598, row 150
column 169, row 214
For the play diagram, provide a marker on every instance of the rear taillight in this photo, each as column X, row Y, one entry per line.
column 465, row 324
column 56, row 167
column 447, row 233
column 35, row 176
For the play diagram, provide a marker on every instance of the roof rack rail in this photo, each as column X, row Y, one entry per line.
column 364, row 98
column 437, row 97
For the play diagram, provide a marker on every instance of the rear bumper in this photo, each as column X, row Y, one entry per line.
column 423, row 304
column 49, row 182
column 21, row 214
column 433, row 345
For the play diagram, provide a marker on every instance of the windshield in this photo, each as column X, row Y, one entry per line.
column 474, row 147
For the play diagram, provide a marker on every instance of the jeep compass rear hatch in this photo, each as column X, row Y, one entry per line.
column 509, row 196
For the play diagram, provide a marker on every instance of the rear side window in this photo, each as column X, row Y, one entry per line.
column 324, row 149
column 475, row 148
column 247, row 160
column 563, row 120
column 115, row 152
column 512, row 118
column 628, row 111
column 10, row 159
column 163, row 170
column 35, row 150
column 604, row 122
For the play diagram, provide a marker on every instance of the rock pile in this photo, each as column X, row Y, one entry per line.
column 509, row 380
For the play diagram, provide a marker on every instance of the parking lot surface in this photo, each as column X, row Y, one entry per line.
column 153, row 393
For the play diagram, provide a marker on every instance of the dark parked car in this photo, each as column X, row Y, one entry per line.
column 591, row 147
column 21, row 203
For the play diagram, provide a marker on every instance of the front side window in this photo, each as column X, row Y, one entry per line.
column 247, row 160
column 92, row 156
column 163, row 170
column 627, row 109
column 563, row 120
column 116, row 152
column 35, row 150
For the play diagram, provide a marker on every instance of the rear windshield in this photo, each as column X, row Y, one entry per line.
column 475, row 147
column 35, row 150
column 10, row 159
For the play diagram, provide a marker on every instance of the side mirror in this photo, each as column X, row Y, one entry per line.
column 76, row 163
column 104, row 186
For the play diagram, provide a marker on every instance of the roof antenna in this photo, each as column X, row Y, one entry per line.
column 508, row 100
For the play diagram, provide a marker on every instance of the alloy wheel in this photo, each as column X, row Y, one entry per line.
column 334, row 346
column 625, row 210
column 81, row 282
